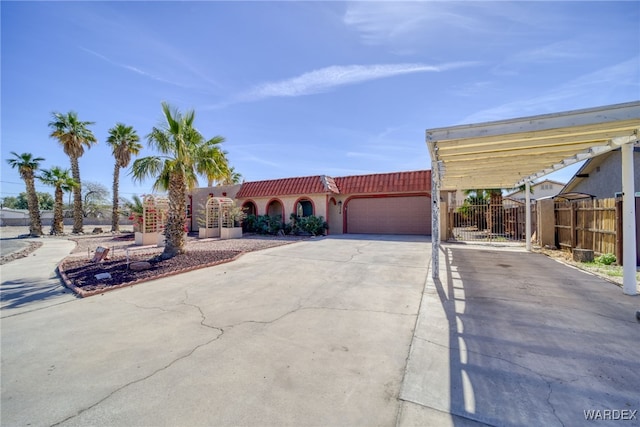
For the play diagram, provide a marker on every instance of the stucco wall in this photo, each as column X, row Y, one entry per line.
column 319, row 204
column 606, row 181
column 199, row 197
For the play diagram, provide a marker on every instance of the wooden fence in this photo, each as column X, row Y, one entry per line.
column 592, row 224
column 587, row 224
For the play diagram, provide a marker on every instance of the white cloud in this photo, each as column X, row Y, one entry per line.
column 327, row 78
column 559, row 51
column 134, row 69
column 389, row 22
column 582, row 92
column 405, row 25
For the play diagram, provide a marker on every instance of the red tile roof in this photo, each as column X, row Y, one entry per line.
column 397, row 182
column 287, row 186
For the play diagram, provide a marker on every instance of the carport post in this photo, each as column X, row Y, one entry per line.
column 435, row 219
column 527, row 215
column 629, row 285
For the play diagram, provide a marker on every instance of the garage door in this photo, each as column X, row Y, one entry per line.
column 389, row 215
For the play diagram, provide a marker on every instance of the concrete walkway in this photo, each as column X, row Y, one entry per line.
column 313, row 333
column 31, row 283
column 509, row 338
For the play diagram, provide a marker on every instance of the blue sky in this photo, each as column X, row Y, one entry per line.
column 304, row 88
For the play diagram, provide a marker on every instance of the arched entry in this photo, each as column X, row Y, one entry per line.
column 334, row 214
column 275, row 209
column 304, row 207
column 249, row 208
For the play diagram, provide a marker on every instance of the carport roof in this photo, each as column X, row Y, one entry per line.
column 508, row 153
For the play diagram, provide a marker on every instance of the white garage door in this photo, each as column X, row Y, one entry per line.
column 389, row 215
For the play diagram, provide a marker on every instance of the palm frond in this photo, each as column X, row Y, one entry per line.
column 146, row 167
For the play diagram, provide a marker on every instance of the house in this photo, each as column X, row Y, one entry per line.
column 539, row 190
column 601, row 176
column 387, row 203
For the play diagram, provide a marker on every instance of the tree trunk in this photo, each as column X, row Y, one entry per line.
column 57, row 226
column 115, row 224
column 77, row 197
column 174, row 230
column 35, row 226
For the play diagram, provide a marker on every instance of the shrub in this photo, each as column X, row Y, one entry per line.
column 263, row 224
column 312, row 225
column 606, row 259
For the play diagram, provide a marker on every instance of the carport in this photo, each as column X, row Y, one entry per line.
column 510, row 153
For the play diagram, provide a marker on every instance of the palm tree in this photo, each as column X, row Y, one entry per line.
column 124, row 141
column 184, row 154
column 215, row 165
column 61, row 180
column 27, row 165
column 74, row 136
column 232, row 177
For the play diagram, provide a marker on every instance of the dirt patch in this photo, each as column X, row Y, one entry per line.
column 611, row 273
column 32, row 246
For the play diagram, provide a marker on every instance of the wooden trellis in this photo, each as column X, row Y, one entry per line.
column 217, row 215
column 154, row 214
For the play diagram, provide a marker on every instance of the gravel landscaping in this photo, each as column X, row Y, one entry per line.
column 88, row 278
column 79, row 272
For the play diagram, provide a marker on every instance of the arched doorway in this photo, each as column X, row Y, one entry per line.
column 249, row 208
column 275, row 209
column 304, row 207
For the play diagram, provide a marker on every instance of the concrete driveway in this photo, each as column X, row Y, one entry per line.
column 510, row 338
column 313, row 333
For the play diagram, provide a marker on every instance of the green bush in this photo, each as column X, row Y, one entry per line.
column 263, row 224
column 606, row 259
column 307, row 225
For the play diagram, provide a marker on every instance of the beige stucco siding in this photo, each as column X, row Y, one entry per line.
column 319, row 202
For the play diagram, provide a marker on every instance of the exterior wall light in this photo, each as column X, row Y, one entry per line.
column 340, row 207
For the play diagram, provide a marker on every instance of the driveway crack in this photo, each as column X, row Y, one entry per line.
column 203, row 317
column 157, row 371
column 139, row 380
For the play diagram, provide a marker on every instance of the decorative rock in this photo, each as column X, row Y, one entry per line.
column 97, row 230
column 139, row 266
column 582, row 255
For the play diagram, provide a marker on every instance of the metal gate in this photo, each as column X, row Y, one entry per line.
column 490, row 222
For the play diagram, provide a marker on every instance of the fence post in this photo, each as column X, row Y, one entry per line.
column 574, row 214
column 619, row 235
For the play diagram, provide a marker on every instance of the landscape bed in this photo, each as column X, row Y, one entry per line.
column 79, row 273
column 87, row 278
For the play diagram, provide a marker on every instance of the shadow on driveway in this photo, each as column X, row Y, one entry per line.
column 512, row 338
column 18, row 293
